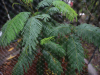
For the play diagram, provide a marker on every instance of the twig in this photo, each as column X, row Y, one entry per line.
column 88, row 10
column 6, row 10
column 91, row 11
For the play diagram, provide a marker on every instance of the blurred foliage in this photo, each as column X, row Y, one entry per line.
column 91, row 8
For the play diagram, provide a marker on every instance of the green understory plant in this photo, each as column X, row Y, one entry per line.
column 40, row 33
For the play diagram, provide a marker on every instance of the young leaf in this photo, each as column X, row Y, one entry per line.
column 45, row 40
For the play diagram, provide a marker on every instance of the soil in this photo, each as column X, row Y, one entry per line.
column 6, row 66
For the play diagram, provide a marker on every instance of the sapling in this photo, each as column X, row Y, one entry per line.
column 52, row 41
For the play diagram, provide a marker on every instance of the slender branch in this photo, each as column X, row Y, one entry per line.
column 26, row 6
column 91, row 11
column 48, row 8
column 6, row 10
column 92, row 55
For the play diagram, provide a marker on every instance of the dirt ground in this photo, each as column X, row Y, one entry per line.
column 6, row 67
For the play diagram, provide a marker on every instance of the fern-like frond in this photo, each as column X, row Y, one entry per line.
column 13, row 27
column 44, row 17
column 30, row 33
column 89, row 33
column 55, row 48
column 45, row 40
column 24, row 62
column 75, row 53
column 65, row 9
column 62, row 30
column 53, row 64
column 46, row 3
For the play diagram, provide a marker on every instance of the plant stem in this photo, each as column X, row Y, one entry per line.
column 6, row 10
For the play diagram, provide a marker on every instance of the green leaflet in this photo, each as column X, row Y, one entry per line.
column 53, row 64
column 24, row 62
column 75, row 53
column 13, row 27
column 89, row 33
column 55, row 49
column 45, row 40
column 30, row 33
column 66, row 10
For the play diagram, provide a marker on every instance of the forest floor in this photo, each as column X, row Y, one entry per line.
column 6, row 67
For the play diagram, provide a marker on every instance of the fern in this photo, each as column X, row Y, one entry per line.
column 53, row 63
column 30, row 33
column 75, row 53
column 89, row 33
column 65, row 9
column 13, row 27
